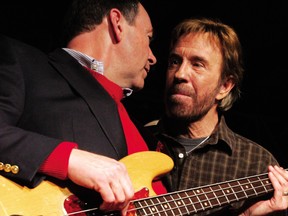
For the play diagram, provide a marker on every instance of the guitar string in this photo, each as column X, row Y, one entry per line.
column 91, row 210
column 181, row 202
column 82, row 211
column 178, row 203
column 153, row 206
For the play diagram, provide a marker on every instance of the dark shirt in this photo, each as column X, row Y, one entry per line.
column 224, row 156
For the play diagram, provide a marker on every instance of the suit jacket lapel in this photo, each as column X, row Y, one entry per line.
column 102, row 105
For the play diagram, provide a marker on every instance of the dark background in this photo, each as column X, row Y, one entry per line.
column 260, row 114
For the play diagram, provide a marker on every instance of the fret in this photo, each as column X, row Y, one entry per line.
column 200, row 199
column 263, row 185
column 141, row 208
column 251, row 186
column 214, row 198
column 258, row 186
column 171, row 204
column 196, row 201
column 228, row 192
column 266, row 184
column 243, row 189
column 246, row 187
column 176, row 204
column 182, row 203
column 208, row 196
column 221, row 195
column 238, row 190
column 166, row 203
column 152, row 205
column 233, row 191
column 190, row 203
column 162, row 206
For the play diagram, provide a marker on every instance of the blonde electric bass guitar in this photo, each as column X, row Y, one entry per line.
column 49, row 199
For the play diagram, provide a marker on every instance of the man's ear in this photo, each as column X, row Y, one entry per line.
column 225, row 88
column 116, row 29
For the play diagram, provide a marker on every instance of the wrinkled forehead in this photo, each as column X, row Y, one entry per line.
column 204, row 38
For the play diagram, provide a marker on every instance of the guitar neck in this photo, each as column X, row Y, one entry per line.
column 203, row 198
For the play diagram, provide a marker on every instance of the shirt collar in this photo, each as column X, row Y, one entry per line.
column 221, row 134
column 93, row 64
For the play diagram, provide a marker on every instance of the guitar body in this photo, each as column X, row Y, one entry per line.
column 143, row 167
column 49, row 199
column 45, row 199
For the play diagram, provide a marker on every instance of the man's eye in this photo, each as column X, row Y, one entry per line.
column 197, row 64
column 173, row 61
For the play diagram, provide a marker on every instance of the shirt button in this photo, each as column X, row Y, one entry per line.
column 181, row 155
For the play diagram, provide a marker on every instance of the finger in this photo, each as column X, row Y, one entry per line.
column 123, row 191
column 119, row 195
column 275, row 183
column 278, row 201
column 281, row 175
column 119, row 200
column 282, row 171
column 128, row 191
column 127, row 186
column 108, row 197
column 121, row 187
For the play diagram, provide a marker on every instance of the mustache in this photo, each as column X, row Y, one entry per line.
column 180, row 89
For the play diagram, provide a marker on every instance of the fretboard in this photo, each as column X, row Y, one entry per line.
column 204, row 198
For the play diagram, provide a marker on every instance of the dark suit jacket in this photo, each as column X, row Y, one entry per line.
column 44, row 101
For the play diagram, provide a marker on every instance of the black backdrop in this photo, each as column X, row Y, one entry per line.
column 260, row 114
